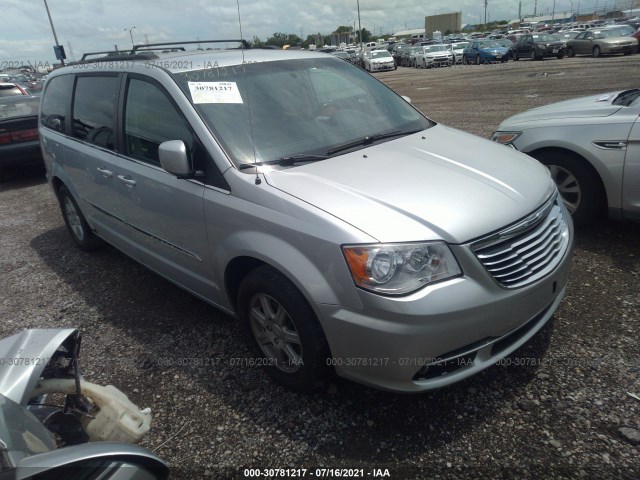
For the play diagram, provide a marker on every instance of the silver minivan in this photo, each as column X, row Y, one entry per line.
column 347, row 232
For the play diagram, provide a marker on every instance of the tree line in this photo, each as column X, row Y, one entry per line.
column 280, row 39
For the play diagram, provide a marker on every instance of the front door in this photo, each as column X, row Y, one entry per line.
column 165, row 214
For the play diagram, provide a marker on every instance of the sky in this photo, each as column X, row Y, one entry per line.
column 98, row 25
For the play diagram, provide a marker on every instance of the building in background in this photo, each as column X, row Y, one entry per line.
column 446, row 23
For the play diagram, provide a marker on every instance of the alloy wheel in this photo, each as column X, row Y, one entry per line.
column 568, row 187
column 75, row 223
column 275, row 332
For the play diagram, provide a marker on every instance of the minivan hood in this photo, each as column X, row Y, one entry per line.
column 591, row 106
column 437, row 184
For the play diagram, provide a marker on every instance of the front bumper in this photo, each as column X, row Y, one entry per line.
column 443, row 333
column 553, row 51
column 439, row 61
column 378, row 67
column 611, row 49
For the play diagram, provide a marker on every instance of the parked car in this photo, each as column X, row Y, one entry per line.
column 89, row 434
column 484, row 51
column 537, row 46
column 10, row 89
column 601, row 41
column 398, row 50
column 508, row 44
column 241, row 189
column 627, row 30
column 409, row 57
column 457, row 49
column 438, row 55
column 591, row 145
column 19, row 144
column 342, row 55
column 378, row 60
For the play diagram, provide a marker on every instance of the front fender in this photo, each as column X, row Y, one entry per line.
column 25, row 356
column 322, row 278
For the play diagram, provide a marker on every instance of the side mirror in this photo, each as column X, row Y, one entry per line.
column 173, row 158
column 93, row 461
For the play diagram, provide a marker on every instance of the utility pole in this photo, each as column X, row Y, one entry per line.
column 535, row 7
column 553, row 12
column 520, row 10
column 359, row 25
column 130, row 34
column 55, row 37
column 485, row 11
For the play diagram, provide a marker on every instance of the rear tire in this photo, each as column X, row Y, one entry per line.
column 570, row 52
column 560, row 56
column 580, row 187
column 477, row 59
column 533, row 56
column 76, row 224
column 282, row 330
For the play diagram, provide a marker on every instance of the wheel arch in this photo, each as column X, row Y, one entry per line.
column 259, row 249
column 587, row 163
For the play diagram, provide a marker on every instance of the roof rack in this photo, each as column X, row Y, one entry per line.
column 145, row 51
column 112, row 56
column 164, row 45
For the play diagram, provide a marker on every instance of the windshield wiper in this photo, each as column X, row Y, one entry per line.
column 368, row 140
column 286, row 161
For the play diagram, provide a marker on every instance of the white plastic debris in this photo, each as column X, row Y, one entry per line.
column 114, row 417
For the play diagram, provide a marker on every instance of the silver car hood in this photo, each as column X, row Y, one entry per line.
column 592, row 106
column 437, row 184
column 25, row 355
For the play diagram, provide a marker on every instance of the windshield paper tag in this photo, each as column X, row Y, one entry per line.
column 215, row 92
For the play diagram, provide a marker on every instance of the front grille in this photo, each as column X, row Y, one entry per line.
column 527, row 251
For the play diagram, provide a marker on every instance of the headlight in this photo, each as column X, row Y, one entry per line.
column 505, row 137
column 400, row 268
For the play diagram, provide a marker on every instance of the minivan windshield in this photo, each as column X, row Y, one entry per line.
column 299, row 108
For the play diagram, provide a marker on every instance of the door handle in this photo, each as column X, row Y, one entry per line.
column 127, row 179
column 105, row 173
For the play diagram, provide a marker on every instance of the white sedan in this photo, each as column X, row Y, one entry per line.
column 378, row 60
column 456, row 49
column 433, row 56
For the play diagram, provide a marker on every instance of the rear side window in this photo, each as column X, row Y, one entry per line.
column 94, row 110
column 55, row 103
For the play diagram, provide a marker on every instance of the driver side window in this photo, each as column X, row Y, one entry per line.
column 150, row 119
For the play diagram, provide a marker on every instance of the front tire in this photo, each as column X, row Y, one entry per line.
column 596, row 51
column 515, row 56
column 464, row 60
column 477, row 59
column 580, row 187
column 281, row 328
column 570, row 52
column 533, row 56
column 76, row 224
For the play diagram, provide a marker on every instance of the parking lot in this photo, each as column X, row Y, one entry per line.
column 557, row 408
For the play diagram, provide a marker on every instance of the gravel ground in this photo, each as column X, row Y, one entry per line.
column 556, row 408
